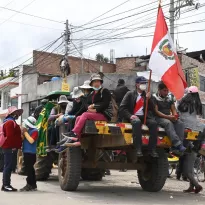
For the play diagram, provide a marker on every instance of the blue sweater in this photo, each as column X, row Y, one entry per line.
column 28, row 147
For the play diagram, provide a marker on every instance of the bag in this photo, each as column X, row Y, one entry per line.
column 112, row 110
column 2, row 136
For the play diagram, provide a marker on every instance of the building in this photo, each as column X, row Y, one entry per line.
column 36, row 81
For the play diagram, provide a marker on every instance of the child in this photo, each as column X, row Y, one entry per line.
column 30, row 136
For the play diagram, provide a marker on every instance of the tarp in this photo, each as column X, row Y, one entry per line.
column 42, row 125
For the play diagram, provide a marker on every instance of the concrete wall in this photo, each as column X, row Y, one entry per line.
column 40, row 91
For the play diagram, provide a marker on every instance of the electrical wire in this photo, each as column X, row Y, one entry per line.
column 17, row 13
column 93, row 20
column 27, row 14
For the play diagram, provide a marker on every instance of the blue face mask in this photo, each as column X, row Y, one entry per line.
column 96, row 89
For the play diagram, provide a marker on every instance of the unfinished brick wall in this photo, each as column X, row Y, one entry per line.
column 47, row 63
column 128, row 65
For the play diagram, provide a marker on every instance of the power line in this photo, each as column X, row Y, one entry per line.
column 39, row 17
column 118, row 14
column 17, row 13
column 26, row 24
column 93, row 20
column 48, row 45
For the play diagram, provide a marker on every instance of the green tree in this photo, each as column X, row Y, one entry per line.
column 100, row 58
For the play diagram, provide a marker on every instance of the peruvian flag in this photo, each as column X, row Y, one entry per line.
column 164, row 61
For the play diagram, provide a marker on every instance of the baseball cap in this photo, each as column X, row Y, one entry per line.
column 141, row 79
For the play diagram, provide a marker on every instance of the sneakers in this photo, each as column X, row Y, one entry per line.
column 189, row 190
column 72, row 134
column 198, row 189
column 72, row 142
column 8, row 189
column 61, row 149
column 29, row 188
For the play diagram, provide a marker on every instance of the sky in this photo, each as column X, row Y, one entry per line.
column 21, row 34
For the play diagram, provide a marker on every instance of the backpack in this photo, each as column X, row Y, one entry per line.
column 2, row 135
column 112, row 110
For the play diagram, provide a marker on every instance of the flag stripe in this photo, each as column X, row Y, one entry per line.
column 160, row 30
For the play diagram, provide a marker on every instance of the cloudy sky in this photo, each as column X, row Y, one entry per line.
column 20, row 34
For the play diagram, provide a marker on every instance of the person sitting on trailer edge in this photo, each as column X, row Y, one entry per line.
column 97, row 109
column 167, row 117
column 132, row 109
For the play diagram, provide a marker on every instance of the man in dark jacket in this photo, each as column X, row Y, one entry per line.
column 120, row 91
column 132, row 109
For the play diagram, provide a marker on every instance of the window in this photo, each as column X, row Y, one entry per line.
column 202, row 83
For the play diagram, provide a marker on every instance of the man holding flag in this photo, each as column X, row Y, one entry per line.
column 165, row 64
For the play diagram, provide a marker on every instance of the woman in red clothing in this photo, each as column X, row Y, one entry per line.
column 12, row 132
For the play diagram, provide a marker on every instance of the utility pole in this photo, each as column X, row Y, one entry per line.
column 67, row 39
column 64, row 64
column 173, row 9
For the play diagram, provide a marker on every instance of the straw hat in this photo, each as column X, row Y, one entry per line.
column 77, row 92
column 30, row 122
column 86, row 85
column 63, row 99
column 13, row 109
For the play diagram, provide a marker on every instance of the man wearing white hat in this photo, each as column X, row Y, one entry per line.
column 30, row 136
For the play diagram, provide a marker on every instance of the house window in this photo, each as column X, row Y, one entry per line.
column 202, row 83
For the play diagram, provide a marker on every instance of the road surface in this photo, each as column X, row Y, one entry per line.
column 119, row 188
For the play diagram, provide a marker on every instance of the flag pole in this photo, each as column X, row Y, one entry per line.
column 147, row 99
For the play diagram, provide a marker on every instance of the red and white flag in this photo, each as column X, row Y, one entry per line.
column 164, row 61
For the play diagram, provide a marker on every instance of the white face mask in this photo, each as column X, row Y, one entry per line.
column 143, row 87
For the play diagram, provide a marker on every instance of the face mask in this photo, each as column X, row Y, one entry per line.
column 143, row 87
column 16, row 117
column 96, row 89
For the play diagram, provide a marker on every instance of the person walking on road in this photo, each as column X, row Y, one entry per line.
column 30, row 136
column 132, row 109
column 12, row 132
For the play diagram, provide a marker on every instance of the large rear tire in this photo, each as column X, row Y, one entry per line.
column 43, row 167
column 69, row 168
column 153, row 178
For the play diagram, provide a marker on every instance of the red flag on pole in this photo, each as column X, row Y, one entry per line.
column 164, row 61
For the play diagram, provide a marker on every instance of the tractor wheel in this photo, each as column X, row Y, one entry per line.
column 92, row 174
column 1, row 160
column 43, row 167
column 153, row 178
column 20, row 163
column 69, row 168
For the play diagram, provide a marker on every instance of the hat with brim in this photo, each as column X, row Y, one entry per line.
column 141, row 79
column 77, row 93
column 95, row 77
column 63, row 99
column 86, row 85
column 14, row 110
column 30, row 122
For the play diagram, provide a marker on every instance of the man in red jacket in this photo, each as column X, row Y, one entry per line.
column 12, row 132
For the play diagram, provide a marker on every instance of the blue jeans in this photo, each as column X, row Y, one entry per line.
column 8, row 158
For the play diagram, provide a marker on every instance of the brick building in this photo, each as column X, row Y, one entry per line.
column 47, row 65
